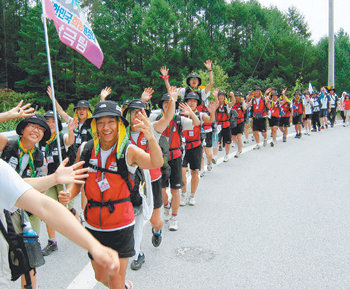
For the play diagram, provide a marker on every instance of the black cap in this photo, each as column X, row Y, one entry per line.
column 193, row 75
column 135, row 104
column 274, row 93
column 257, row 88
column 238, row 93
column 273, row 88
column 165, row 97
column 37, row 119
column 83, row 103
column 107, row 108
column 222, row 92
column 50, row 113
column 297, row 92
column 192, row 95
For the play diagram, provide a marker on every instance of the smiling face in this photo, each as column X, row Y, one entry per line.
column 165, row 105
column 192, row 103
column 51, row 123
column 194, row 82
column 33, row 133
column 107, row 128
column 82, row 113
column 221, row 98
column 133, row 116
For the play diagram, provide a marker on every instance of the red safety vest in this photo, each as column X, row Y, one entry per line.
column 142, row 143
column 207, row 126
column 174, row 146
column 275, row 108
column 297, row 106
column 239, row 109
column 223, row 116
column 286, row 109
column 113, row 216
column 259, row 108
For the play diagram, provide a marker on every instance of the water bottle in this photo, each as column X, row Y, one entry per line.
column 28, row 233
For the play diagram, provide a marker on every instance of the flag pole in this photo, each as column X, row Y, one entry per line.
column 43, row 18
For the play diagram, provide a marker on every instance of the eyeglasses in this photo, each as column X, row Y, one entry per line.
column 37, row 127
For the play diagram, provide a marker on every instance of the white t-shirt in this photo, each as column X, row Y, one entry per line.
column 12, row 186
column 186, row 122
column 307, row 105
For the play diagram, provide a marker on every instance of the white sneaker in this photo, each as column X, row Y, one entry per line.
column 192, row 200
column 257, row 147
column 214, row 160
column 209, row 167
column 201, row 173
column 173, row 225
column 183, row 199
column 166, row 214
column 226, row 158
column 233, row 145
column 265, row 142
column 246, row 141
column 238, row 153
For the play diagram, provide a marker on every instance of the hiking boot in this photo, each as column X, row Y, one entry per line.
column 156, row 238
column 257, row 147
column 226, row 158
column 192, row 200
column 209, row 167
column 128, row 284
column 272, row 144
column 183, row 199
column 201, row 173
column 265, row 142
column 166, row 214
column 50, row 247
column 173, row 225
column 137, row 264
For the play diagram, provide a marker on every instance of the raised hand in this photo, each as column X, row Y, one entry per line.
column 232, row 94
column 212, row 107
column 147, row 94
column 21, row 111
column 71, row 174
column 105, row 92
column 186, row 110
column 216, row 92
column 73, row 124
column 164, row 71
column 284, row 91
column 143, row 125
column 208, row 64
column 173, row 93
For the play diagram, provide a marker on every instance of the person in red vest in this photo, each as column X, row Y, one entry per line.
column 298, row 110
column 237, row 127
column 275, row 117
column 346, row 108
column 259, row 107
column 286, row 114
column 109, row 213
column 223, row 121
column 193, row 147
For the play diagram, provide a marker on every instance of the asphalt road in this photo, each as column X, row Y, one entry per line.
column 274, row 218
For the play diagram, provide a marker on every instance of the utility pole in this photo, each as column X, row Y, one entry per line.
column 331, row 81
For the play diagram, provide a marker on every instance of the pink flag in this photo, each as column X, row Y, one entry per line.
column 73, row 28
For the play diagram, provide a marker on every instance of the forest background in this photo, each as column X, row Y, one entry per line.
column 249, row 45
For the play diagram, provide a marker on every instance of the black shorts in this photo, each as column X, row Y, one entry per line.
column 324, row 112
column 259, row 124
column 284, row 121
column 297, row 119
column 274, row 121
column 225, row 135
column 238, row 129
column 173, row 174
column 194, row 158
column 121, row 240
column 308, row 116
column 157, row 194
column 208, row 140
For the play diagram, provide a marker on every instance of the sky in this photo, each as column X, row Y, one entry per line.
column 316, row 14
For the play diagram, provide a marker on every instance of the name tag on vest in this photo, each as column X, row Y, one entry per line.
column 191, row 133
column 84, row 131
column 50, row 159
column 103, row 185
column 13, row 162
column 143, row 142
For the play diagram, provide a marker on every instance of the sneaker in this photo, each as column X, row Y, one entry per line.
column 238, row 153
column 166, row 214
column 183, row 199
column 220, row 148
column 192, row 201
column 265, row 142
column 257, row 147
column 209, row 167
column 173, row 225
column 156, row 238
column 246, row 141
column 233, row 144
column 137, row 264
column 226, row 158
column 50, row 247
column 296, row 136
column 319, row 129
column 313, row 130
column 214, row 160
column 272, row 144
column 299, row 136
column 322, row 127
column 284, row 139
column 201, row 173
column 128, row 284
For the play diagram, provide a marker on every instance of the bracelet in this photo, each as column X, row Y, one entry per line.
column 166, row 77
column 210, row 70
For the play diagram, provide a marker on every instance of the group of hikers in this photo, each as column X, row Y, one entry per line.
column 137, row 159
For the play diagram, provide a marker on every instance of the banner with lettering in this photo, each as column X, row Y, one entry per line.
column 74, row 29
